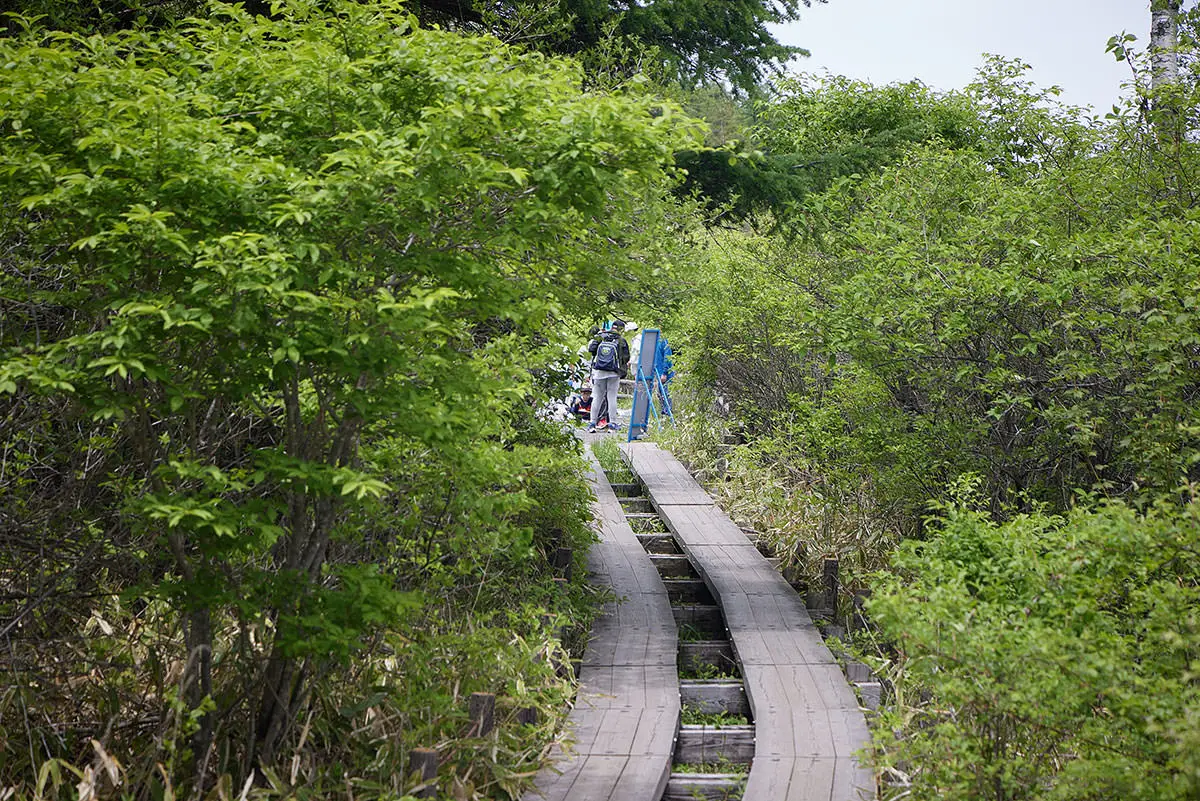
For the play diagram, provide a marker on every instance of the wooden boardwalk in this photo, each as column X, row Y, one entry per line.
column 807, row 720
column 627, row 710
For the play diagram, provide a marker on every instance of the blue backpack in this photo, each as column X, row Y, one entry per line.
column 608, row 356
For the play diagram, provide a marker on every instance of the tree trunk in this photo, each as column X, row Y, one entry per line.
column 302, row 552
column 1164, row 43
column 200, row 651
column 1164, row 67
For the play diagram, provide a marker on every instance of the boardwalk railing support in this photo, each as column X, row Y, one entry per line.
column 482, row 710
column 423, row 765
column 830, row 585
column 561, row 561
column 858, row 618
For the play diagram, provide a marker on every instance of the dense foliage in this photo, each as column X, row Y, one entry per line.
column 1021, row 307
column 689, row 42
column 270, row 293
column 991, row 289
column 1062, row 652
column 693, row 43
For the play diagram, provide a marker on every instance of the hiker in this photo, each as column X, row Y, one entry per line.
column 581, row 404
column 610, row 362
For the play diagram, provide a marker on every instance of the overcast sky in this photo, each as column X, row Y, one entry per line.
column 941, row 42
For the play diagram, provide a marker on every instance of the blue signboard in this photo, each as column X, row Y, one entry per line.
column 649, row 393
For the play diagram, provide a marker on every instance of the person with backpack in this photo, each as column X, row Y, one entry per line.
column 610, row 362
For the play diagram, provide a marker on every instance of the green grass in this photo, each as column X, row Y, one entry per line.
column 609, row 457
column 647, row 525
column 721, row 766
column 690, row 633
column 694, row 716
column 707, row 672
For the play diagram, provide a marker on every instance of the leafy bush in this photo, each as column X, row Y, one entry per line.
column 1059, row 651
column 1017, row 309
column 271, row 293
column 1012, row 305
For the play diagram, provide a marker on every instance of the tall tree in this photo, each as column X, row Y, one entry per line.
column 1164, row 42
column 1164, row 66
column 239, row 259
column 695, row 42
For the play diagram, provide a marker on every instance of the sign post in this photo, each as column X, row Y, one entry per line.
column 647, row 384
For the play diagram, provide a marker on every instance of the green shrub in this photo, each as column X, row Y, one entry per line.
column 1059, row 654
column 273, row 290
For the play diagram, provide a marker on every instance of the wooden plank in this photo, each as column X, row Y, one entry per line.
column 710, row 696
column 630, row 647
column 809, row 779
column 703, row 787
column 715, row 653
column 672, row 565
column 628, row 731
column 814, row 687
column 627, row 708
column 657, row 471
column 793, row 779
column 659, row 543
column 639, row 686
column 582, row 778
column 697, row 524
column 807, row 721
column 688, row 591
column 697, row 745
column 701, row 619
column 638, row 776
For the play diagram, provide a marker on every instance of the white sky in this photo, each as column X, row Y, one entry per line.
column 941, row 42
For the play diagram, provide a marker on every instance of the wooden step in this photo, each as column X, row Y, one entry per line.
column 673, row 565
column 659, row 543
column 646, row 524
column 704, row 787
column 697, row 745
column 636, row 504
column 717, row 653
column 688, row 591
column 712, row 697
column 870, row 693
column 704, row 619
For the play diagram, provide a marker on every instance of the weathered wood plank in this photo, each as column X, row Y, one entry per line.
column 660, row 478
column 697, row 745
column 703, row 787
column 641, row 686
column 582, row 778
column 715, row 653
column 699, row 524
column 807, row 721
column 638, row 775
column 659, row 543
column 711, row 697
column 627, row 708
column 688, row 591
column 704, row 620
column 672, row 565
column 808, row 779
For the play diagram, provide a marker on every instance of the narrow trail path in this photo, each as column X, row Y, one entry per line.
column 807, row 721
column 627, row 709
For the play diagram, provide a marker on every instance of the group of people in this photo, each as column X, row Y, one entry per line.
column 609, row 359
